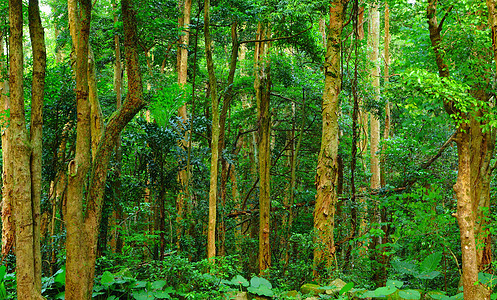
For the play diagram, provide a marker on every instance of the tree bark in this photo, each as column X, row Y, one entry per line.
column 26, row 151
column 182, row 65
column 327, row 167
column 211, row 234
column 262, row 86
column 82, row 225
column 469, row 146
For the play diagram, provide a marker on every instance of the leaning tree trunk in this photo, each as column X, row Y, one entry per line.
column 327, row 168
column 82, row 225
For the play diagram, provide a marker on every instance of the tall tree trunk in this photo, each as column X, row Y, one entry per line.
column 37, row 37
column 469, row 146
column 8, row 227
column 211, row 234
column 26, row 151
column 82, row 225
column 262, row 86
column 117, row 240
column 373, row 44
column 182, row 65
column 327, row 167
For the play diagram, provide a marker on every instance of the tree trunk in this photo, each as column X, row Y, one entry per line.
column 373, row 44
column 327, row 167
column 8, row 227
column 82, row 225
column 26, row 151
column 211, row 234
column 469, row 146
column 262, row 86
column 182, row 66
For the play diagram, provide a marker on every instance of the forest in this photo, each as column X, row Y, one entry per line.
column 248, row 149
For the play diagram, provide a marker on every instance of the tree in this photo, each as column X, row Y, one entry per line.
column 25, row 149
column 327, row 168
column 475, row 147
column 83, row 224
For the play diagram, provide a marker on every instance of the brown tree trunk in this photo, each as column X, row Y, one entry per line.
column 26, row 151
column 8, row 227
column 373, row 44
column 211, row 234
column 468, row 146
column 182, row 66
column 262, row 86
column 82, row 225
column 327, row 167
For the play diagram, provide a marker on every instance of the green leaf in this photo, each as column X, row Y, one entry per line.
column 430, row 275
column 157, row 285
column 162, row 295
column 3, row 291
column 487, row 279
column 394, row 283
column 61, row 295
column 404, row 267
column 140, row 284
column 346, row 288
column 142, row 295
column 60, row 276
column 259, row 281
column 384, row 291
column 430, row 263
column 410, row 294
column 368, row 294
column 459, row 296
column 440, row 297
column 240, row 280
column 107, row 278
column 3, row 269
column 112, row 298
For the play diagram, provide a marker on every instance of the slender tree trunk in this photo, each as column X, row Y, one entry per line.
column 37, row 36
column 327, row 167
column 211, row 234
column 262, row 86
column 373, row 44
column 182, row 65
column 8, row 227
column 26, row 151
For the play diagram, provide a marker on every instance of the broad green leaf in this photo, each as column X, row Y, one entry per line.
column 394, row 283
column 384, row 291
column 487, row 279
column 459, row 296
column 140, row 284
column 112, row 298
column 60, row 277
column 157, row 285
column 162, row 295
column 240, row 280
column 3, row 291
column 262, row 290
column 429, row 275
column 430, row 263
column 259, row 281
column 404, row 267
column 107, row 278
column 368, row 294
column 2, row 272
column 61, row 295
column 346, row 288
column 410, row 294
column 142, row 295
